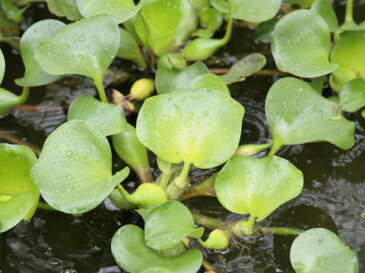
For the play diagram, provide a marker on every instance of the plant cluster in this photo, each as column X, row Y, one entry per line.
column 192, row 122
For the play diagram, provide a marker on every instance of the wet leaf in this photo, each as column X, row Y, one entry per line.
column 163, row 25
column 209, row 81
column 34, row 74
column 157, row 270
column 254, row 11
column 168, row 80
column 320, row 250
column 297, row 114
column 163, row 229
column 352, row 95
column 64, row 8
column 129, row 49
column 301, row 44
column 74, row 170
column 18, row 193
column 131, row 253
column 119, row 10
column 245, row 67
column 325, row 9
column 185, row 125
column 108, row 118
column 257, row 186
column 75, row 49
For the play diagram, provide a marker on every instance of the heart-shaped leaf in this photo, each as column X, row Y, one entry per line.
column 301, row 44
column 257, row 186
column 349, row 52
column 163, row 229
column 209, row 81
column 74, row 170
column 185, row 125
column 254, row 11
column 64, row 8
column 325, row 9
column 163, row 25
column 132, row 254
column 168, row 80
column 108, row 118
column 34, row 75
column 18, row 193
column 129, row 49
column 75, row 49
column 352, row 95
column 245, row 67
column 320, row 250
column 297, row 114
column 119, row 10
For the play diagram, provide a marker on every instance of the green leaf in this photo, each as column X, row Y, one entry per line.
column 2, row 66
column 131, row 253
column 75, row 49
column 352, row 95
column 119, row 10
column 265, row 30
column 254, row 11
column 64, row 8
column 245, row 67
column 302, row 3
column 74, row 170
column 325, row 9
column 211, row 20
column 8, row 28
column 257, row 186
column 157, row 270
column 34, row 75
column 297, row 114
column 320, row 250
column 163, row 25
column 132, row 152
column 12, row 11
column 209, row 81
column 168, row 80
column 218, row 239
column 129, row 49
column 301, row 44
column 119, row 201
column 341, row 76
column 349, row 52
column 221, row 5
column 185, row 125
column 18, row 193
column 8, row 100
column 108, row 118
column 163, row 229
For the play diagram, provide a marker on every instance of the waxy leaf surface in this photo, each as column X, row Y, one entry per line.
column 257, row 186
column 254, row 11
column 297, row 114
column 185, row 125
column 74, row 170
column 320, row 250
column 64, row 8
column 352, row 95
column 129, row 49
column 325, row 9
column 210, row 81
column 132, row 254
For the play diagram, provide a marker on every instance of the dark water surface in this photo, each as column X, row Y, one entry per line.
column 334, row 194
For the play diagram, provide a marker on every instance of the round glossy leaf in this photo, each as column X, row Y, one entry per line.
column 320, row 250
column 157, row 270
column 297, row 114
column 108, row 118
column 257, row 186
column 349, row 51
column 18, row 193
column 210, row 81
column 301, row 44
column 325, row 9
column 185, row 125
column 34, row 75
column 352, row 95
column 73, row 171
column 64, row 8
column 163, row 25
column 254, row 11
column 163, row 229
column 169, row 80
column 75, row 49
column 218, row 239
column 132, row 254
column 119, row 10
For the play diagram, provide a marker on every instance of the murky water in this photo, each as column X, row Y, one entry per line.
column 334, row 194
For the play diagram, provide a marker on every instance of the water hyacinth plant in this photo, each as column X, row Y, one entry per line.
column 191, row 124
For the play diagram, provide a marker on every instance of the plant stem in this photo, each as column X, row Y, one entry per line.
column 279, row 231
column 206, row 188
column 100, row 87
column 45, row 206
column 207, row 221
column 276, row 145
column 24, row 96
column 180, row 183
column 252, row 149
column 163, row 180
column 349, row 11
